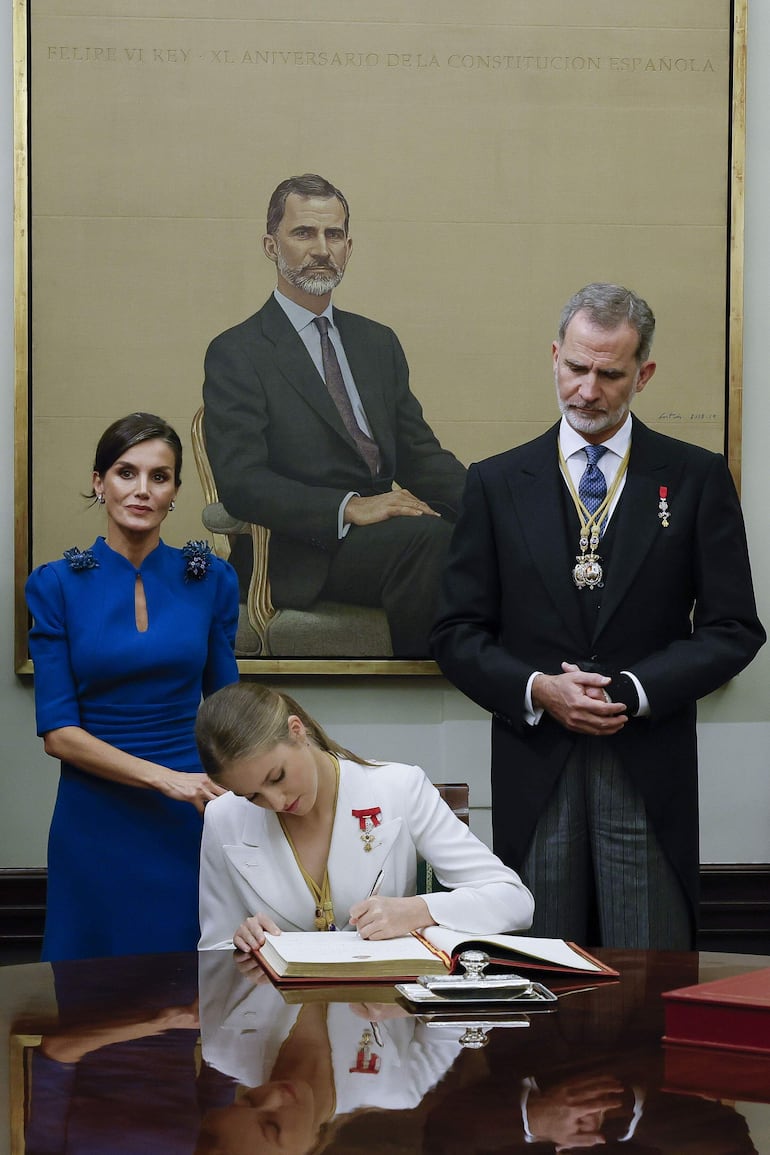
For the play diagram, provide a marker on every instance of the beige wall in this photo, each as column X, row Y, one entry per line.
column 424, row 720
column 493, row 165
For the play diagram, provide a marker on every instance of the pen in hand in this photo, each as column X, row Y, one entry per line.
column 375, row 890
column 376, row 1032
column 377, row 884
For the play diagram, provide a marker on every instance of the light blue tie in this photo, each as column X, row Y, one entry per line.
column 592, row 489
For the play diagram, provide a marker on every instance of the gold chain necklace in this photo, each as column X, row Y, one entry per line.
column 322, row 895
column 588, row 571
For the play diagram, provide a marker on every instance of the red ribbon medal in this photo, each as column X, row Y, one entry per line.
column 367, row 821
column 367, row 1063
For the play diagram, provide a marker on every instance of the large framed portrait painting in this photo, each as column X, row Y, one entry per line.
column 493, row 164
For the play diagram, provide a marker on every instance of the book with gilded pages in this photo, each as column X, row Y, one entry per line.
column 344, row 991
column 318, row 956
column 731, row 1013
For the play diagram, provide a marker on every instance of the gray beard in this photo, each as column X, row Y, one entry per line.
column 588, row 421
column 317, row 282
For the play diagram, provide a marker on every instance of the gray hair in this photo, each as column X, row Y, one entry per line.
column 609, row 306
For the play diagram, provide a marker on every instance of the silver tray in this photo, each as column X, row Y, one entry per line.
column 447, row 991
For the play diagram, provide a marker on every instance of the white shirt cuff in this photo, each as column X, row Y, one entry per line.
column 644, row 704
column 532, row 714
column 528, row 1084
column 342, row 528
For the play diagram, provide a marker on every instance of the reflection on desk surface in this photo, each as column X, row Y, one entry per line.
column 184, row 1055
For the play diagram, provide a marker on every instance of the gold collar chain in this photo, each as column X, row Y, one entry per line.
column 588, row 571
column 324, row 907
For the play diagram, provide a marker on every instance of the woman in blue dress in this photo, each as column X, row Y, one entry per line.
column 126, row 638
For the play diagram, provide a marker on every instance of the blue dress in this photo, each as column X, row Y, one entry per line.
column 123, row 861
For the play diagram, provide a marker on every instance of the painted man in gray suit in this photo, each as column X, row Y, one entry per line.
column 309, row 421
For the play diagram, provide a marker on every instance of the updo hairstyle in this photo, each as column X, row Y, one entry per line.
column 132, row 430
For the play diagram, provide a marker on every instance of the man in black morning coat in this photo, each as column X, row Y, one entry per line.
column 591, row 656
column 283, row 455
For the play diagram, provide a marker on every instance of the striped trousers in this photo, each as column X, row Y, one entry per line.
column 594, row 861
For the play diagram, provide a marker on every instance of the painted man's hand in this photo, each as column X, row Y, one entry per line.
column 380, row 507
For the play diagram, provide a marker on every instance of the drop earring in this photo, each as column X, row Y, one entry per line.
column 171, row 506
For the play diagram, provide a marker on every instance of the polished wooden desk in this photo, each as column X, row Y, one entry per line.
column 161, row 1054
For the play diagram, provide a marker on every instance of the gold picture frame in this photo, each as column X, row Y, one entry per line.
column 516, row 162
column 22, row 1047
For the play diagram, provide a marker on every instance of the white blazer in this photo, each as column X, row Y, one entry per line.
column 247, row 864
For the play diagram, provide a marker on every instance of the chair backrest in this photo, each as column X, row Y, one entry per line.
column 457, row 797
column 259, row 602
column 325, row 629
column 208, row 485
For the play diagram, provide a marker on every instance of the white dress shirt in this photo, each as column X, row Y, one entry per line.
column 572, row 446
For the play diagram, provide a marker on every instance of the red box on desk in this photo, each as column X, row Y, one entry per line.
column 731, row 1014
column 718, row 1073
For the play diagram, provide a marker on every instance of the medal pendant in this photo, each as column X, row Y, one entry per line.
column 588, row 571
column 368, row 836
column 368, row 821
column 365, row 1063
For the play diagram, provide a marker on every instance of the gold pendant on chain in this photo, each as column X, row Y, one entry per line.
column 588, row 571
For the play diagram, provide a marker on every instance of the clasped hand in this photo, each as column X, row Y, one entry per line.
column 571, row 1113
column 577, row 700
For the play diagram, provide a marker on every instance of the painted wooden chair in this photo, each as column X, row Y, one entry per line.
column 323, row 630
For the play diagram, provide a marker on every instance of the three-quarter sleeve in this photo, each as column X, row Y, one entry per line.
column 56, row 700
column 221, row 666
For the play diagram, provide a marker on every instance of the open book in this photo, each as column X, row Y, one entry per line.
column 306, row 956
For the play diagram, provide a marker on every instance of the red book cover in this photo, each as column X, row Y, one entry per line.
column 731, row 1013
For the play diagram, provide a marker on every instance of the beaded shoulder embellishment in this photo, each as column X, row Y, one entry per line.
column 198, row 560
column 79, row 559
